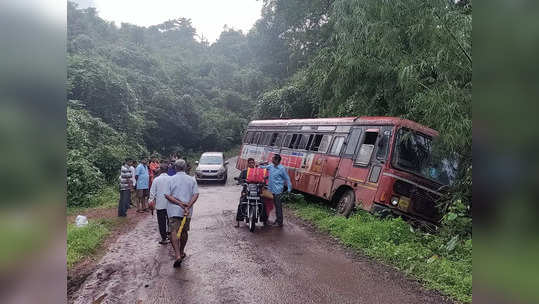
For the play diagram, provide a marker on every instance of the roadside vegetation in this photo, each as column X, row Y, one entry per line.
column 84, row 241
column 106, row 198
column 439, row 261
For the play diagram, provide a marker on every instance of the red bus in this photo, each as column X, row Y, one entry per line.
column 375, row 163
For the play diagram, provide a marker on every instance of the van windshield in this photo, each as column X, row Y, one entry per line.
column 211, row 160
column 413, row 153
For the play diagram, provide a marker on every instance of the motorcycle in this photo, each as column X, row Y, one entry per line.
column 251, row 202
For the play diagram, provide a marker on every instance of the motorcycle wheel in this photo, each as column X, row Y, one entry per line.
column 252, row 220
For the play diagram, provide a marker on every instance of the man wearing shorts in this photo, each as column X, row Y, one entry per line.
column 181, row 195
column 143, row 182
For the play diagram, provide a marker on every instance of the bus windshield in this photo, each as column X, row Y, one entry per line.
column 211, row 160
column 413, row 153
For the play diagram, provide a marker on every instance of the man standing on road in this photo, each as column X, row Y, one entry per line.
column 181, row 195
column 157, row 194
column 125, row 189
column 143, row 180
column 132, row 165
column 277, row 176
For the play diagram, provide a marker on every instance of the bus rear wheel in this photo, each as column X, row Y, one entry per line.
column 346, row 203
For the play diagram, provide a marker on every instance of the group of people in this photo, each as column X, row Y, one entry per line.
column 166, row 186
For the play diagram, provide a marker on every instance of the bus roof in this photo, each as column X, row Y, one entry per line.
column 356, row 120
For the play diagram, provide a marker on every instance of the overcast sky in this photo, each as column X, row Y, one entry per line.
column 207, row 16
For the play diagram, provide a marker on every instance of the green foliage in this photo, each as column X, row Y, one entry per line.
column 404, row 58
column 440, row 263
column 94, row 152
column 105, row 198
column 138, row 89
column 84, row 241
column 83, row 179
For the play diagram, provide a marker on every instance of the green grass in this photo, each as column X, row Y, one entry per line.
column 84, row 241
column 392, row 241
column 107, row 198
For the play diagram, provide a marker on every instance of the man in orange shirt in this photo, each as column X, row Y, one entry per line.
column 154, row 167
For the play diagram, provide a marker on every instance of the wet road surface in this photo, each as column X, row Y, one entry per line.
column 224, row 264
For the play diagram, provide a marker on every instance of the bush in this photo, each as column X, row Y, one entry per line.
column 83, row 179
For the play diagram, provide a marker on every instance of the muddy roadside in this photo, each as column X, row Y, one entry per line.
column 77, row 274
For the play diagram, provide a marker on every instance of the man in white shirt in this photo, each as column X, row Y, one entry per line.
column 157, row 194
column 181, row 195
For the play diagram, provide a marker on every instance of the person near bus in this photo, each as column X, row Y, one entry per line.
column 278, row 175
column 241, row 207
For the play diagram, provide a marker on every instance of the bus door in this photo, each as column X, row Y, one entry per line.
column 327, row 163
column 347, row 157
column 313, row 162
column 369, row 162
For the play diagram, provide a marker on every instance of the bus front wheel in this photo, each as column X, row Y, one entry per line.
column 346, row 203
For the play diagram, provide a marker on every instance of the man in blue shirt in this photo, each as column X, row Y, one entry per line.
column 143, row 181
column 277, row 176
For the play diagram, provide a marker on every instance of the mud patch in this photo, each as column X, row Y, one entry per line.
column 78, row 274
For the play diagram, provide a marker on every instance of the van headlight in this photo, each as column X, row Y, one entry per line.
column 394, row 200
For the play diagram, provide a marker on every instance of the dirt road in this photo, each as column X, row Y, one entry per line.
column 293, row 264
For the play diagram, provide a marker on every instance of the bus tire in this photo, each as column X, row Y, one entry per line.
column 346, row 203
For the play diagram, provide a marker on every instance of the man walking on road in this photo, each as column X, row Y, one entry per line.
column 143, row 180
column 157, row 194
column 277, row 176
column 181, row 195
column 125, row 189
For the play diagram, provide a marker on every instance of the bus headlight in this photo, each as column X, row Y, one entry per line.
column 394, row 200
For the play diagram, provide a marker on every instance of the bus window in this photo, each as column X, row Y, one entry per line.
column 293, row 141
column 273, row 138
column 383, row 145
column 302, row 141
column 337, row 145
column 309, row 142
column 266, row 139
column 248, row 137
column 364, row 154
column 286, row 140
column 278, row 140
column 256, row 138
column 353, row 139
column 324, row 143
column 316, row 142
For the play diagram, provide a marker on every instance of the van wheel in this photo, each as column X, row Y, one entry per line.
column 346, row 203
